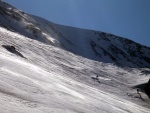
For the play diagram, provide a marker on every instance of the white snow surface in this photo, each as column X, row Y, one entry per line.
column 66, row 69
column 52, row 80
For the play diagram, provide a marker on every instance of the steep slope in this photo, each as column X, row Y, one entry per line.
column 39, row 71
column 49, row 79
column 17, row 21
column 93, row 45
column 99, row 46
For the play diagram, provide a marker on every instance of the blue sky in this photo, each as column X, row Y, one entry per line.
column 126, row 18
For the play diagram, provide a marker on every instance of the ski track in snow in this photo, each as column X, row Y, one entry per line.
column 67, row 90
column 28, row 86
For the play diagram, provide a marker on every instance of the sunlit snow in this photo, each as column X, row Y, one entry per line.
column 43, row 85
column 58, row 69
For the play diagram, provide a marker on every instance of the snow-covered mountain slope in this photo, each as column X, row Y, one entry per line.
column 39, row 71
column 45, row 79
column 90, row 44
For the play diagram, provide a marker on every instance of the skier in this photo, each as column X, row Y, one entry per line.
column 138, row 91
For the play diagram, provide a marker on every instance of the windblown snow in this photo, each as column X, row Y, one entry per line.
column 50, row 79
column 94, row 45
column 48, row 68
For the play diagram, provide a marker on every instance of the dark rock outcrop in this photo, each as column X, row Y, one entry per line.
column 13, row 50
column 147, row 89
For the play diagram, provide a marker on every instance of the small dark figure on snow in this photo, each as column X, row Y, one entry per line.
column 96, row 76
column 138, row 91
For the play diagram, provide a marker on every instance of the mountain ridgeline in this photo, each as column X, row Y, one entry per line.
column 94, row 45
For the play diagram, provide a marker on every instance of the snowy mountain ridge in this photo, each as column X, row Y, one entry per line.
column 90, row 44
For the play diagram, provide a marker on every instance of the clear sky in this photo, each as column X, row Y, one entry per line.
column 126, row 18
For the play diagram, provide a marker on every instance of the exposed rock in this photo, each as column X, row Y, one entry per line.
column 13, row 50
column 147, row 89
